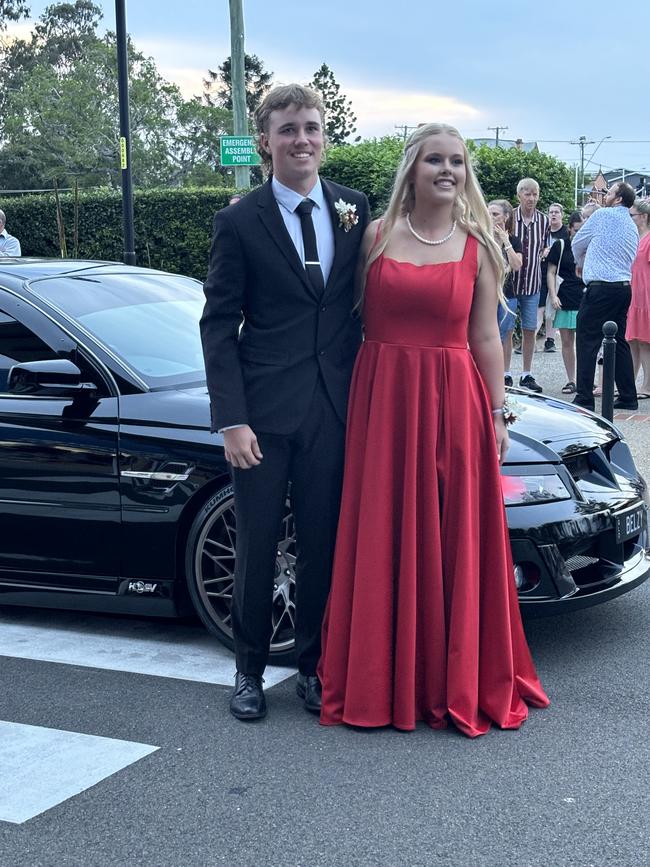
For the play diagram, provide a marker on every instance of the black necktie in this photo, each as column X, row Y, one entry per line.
column 312, row 263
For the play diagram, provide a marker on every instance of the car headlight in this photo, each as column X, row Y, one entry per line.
column 524, row 490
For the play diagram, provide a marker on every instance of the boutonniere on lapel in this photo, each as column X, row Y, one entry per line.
column 348, row 216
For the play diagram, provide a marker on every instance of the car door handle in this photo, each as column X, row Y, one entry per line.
column 158, row 476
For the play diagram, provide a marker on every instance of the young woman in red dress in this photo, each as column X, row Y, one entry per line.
column 423, row 620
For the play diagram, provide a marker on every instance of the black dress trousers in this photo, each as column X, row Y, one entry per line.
column 312, row 460
column 602, row 302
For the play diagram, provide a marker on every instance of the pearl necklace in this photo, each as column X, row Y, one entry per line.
column 426, row 240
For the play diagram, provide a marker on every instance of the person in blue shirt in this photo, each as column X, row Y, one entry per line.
column 9, row 246
column 604, row 249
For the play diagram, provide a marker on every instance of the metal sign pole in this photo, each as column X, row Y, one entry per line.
column 125, row 132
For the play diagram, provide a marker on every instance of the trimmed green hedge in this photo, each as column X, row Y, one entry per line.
column 173, row 228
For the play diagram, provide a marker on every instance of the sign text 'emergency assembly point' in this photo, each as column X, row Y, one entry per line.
column 239, row 150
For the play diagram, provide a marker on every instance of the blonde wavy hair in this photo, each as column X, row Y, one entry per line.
column 470, row 209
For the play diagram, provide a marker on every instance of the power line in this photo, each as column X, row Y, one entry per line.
column 609, row 140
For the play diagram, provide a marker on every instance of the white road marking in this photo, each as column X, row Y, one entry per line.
column 41, row 767
column 161, row 648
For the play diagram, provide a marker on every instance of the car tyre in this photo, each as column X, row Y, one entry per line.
column 210, row 566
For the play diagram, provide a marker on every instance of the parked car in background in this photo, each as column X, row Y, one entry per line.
column 115, row 497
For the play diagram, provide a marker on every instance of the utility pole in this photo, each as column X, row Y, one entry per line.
column 582, row 143
column 237, row 73
column 497, row 130
column 125, row 132
column 404, row 130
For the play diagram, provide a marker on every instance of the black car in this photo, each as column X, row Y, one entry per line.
column 115, row 497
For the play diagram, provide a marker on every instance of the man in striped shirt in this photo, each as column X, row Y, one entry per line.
column 531, row 227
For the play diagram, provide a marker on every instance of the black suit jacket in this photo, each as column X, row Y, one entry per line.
column 263, row 372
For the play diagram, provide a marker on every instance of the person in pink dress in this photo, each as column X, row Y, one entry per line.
column 638, row 317
column 423, row 620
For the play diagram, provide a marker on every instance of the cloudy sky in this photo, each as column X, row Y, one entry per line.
column 550, row 71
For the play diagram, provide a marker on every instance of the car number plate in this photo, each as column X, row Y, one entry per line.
column 630, row 522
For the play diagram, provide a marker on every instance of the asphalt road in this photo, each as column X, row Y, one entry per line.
column 569, row 788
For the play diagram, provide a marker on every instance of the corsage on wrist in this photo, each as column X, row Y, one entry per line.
column 506, row 412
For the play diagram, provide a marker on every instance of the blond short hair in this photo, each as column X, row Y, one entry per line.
column 528, row 184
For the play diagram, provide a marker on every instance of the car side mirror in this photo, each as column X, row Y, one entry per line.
column 57, row 377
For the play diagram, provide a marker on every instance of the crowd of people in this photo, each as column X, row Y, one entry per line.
column 577, row 277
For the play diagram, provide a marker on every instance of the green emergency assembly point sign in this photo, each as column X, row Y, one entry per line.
column 239, row 150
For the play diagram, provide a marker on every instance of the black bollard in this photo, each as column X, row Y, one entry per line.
column 609, row 367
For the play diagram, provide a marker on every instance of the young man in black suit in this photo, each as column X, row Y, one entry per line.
column 280, row 337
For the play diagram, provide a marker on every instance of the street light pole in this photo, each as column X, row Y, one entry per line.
column 237, row 77
column 125, row 132
column 582, row 142
column 604, row 138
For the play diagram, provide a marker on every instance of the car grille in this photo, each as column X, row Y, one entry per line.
column 602, row 561
column 575, row 564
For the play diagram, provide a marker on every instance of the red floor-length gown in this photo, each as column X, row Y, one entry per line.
column 423, row 621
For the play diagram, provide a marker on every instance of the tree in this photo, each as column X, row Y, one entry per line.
column 60, row 38
column 59, row 116
column 196, row 155
column 217, row 87
column 340, row 120
column 64, row 30
column 499, row 170
column 67, row 122
column 369, row 166
column 12, row 10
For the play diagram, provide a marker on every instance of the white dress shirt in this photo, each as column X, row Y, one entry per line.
column 288, row 200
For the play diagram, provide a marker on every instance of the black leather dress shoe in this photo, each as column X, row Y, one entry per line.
column 248, row 701
column 622, row 404
column 309, row 690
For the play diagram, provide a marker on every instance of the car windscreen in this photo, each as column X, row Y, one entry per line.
column 151, row 321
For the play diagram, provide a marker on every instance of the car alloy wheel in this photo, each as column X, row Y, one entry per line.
column 210, row 567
